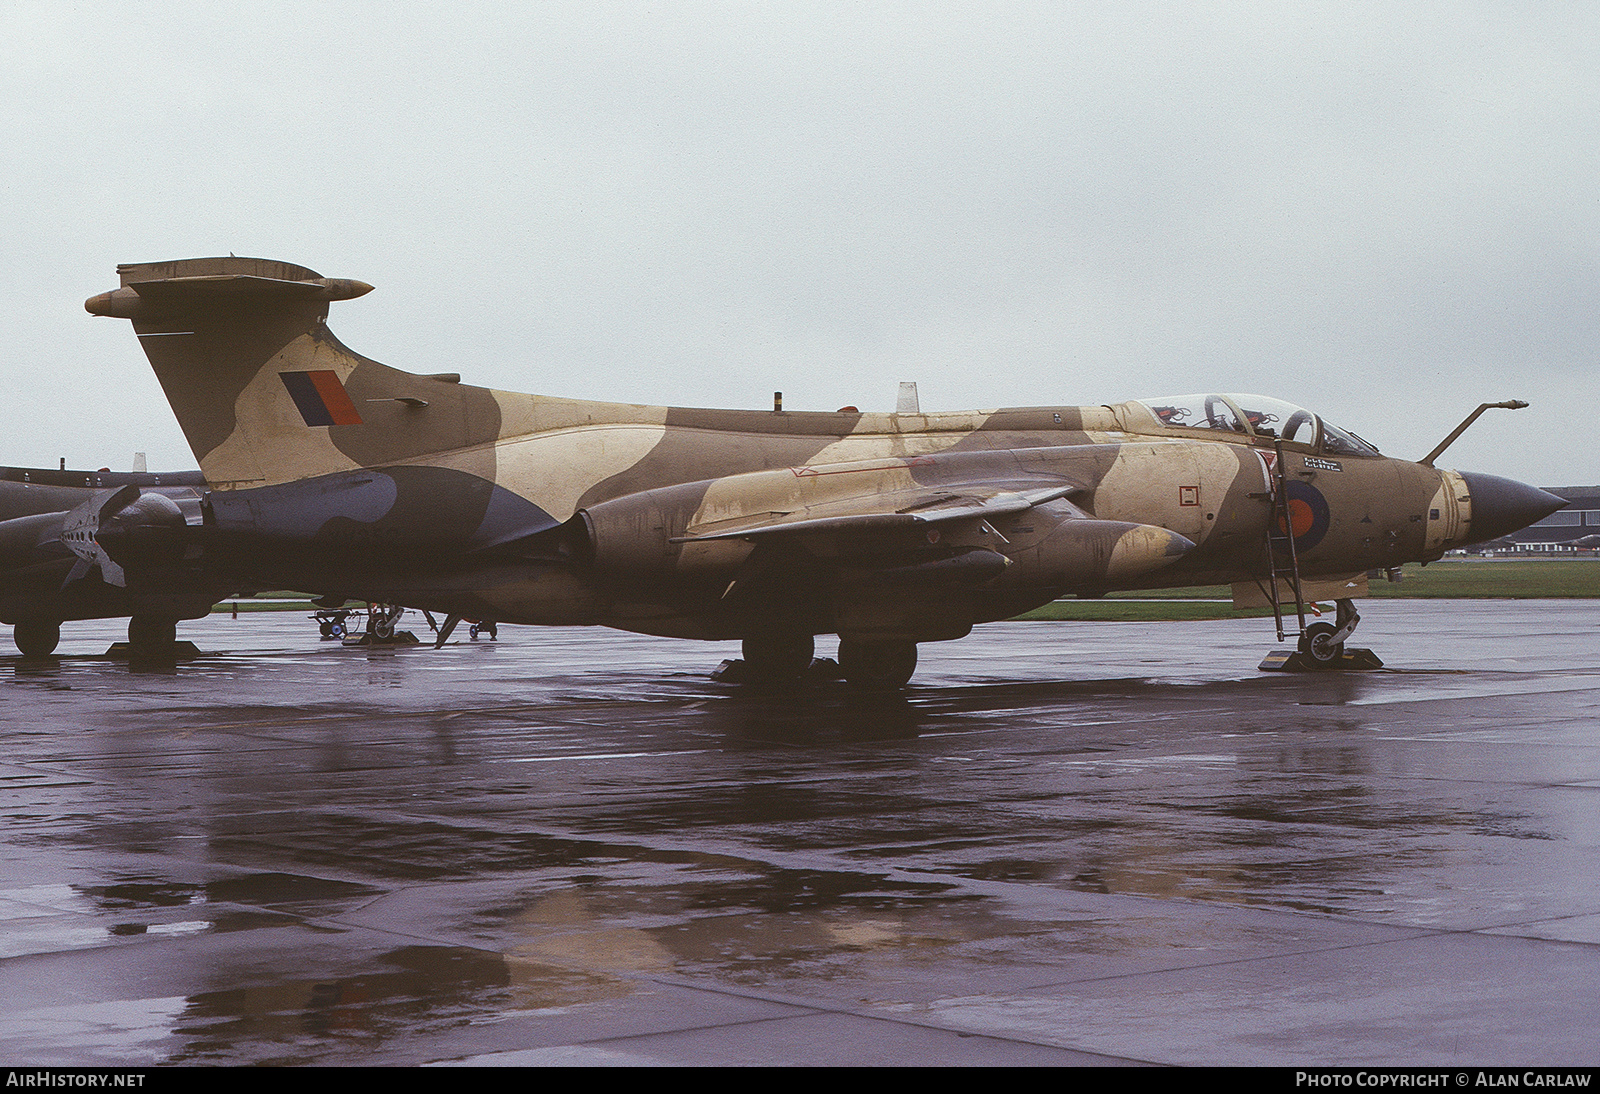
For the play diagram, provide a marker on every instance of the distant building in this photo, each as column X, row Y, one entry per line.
column 1575, row 528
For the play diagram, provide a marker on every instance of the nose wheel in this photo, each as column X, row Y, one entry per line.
column 1322, row 644
column 1317, row 644
column 1322, row 647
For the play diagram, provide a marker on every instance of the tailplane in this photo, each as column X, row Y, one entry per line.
column 264, row 392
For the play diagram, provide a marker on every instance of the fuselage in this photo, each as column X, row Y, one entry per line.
column 540, row 528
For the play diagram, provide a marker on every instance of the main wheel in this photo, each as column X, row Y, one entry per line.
column 152, row 637
column 1317, row 645
column 877, row 665
column 778, row 657
column 36, row 637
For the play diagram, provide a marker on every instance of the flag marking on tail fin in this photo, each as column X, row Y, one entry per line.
column 320, row 397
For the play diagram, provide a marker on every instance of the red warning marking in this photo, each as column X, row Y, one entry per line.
column 334, row 397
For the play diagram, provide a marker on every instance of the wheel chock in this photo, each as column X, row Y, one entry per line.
column 735, row 671
column 1354, row 660
column 182, row 650
column 731, row 671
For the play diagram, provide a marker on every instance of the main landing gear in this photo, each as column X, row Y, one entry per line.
column 150, row 639
column 771, row 659
column 154, row 639
column 36, row 637
column 777, row 658
column 877, row 666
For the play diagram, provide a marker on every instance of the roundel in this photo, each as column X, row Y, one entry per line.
column 1308, row 514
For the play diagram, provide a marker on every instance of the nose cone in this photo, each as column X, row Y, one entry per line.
column 1502, row 506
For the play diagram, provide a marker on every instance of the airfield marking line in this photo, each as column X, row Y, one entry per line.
column 597, row 756
column 1412, row 933
column 1587, row 784
column 335, row 715
column 1534, row 922
column 853, row 1012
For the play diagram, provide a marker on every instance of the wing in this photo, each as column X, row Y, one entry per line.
column 870, row 497
column 954, row 518
column 885, row 511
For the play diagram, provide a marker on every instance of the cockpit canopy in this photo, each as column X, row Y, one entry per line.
column 1257, row 416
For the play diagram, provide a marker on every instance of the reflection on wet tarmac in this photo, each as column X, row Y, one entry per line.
column 302, row 1021
column 293, row 853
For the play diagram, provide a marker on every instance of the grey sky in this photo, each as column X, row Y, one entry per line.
column 1385, row 212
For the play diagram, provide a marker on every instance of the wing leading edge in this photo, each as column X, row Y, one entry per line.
column 898, row 510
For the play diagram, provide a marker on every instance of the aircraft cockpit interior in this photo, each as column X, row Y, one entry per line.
column 1256, row 416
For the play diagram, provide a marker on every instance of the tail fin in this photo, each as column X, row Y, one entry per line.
column 264, row 392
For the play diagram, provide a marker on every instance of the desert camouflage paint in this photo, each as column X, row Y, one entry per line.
column 330, row 472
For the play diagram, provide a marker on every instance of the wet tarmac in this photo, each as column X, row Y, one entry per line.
column 1066, row 843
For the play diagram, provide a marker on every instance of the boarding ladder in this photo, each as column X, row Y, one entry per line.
column 1283, row 564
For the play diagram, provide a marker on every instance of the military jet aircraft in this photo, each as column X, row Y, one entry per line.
column 329, row 472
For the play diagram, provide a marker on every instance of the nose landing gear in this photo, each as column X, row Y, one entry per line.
column 1322, row 646
column 1323, row 643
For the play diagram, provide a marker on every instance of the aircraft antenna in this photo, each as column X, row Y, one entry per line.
column 908, row 402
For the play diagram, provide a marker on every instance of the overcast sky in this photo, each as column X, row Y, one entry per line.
column 1387, row 213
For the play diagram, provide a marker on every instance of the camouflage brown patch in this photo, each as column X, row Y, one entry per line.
column 204, row 372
